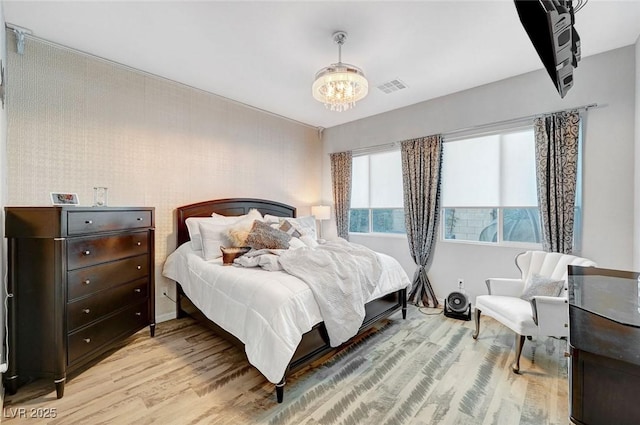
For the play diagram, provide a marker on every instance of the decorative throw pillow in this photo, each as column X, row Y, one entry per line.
column 305, row 225
column 238, row 232
column 288, row 228
column 540, row 285
column 263, row 236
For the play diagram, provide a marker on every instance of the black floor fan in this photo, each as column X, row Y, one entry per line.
column 457, row 306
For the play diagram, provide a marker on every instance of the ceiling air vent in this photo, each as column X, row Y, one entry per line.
column 391, row 86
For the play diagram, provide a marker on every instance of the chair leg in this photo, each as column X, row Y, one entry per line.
column 519, row 344
column 477, row 320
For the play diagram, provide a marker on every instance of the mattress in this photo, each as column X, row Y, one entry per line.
column 268, row 311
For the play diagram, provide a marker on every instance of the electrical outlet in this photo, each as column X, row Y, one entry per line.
column 460, row 283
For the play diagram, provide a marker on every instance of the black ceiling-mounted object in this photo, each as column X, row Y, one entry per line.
column 549, row 25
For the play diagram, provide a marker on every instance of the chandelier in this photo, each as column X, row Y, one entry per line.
column 340, row 85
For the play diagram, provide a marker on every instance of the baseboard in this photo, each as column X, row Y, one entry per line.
column 166, row 317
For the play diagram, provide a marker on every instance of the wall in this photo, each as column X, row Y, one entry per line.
column 636, row 244
column 3, row 182
column 76, row 122
column 607, row 79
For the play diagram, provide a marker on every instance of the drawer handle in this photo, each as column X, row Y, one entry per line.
column 86, row 311
column 87, row 252
column 139, row 267
column 139, row 243
column 138, row 290
column 139, row 218
column 138, row 314
column 87, row 340
column 88, row 222
column 86, row 282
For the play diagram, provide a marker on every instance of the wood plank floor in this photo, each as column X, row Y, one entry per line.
column 423, row 370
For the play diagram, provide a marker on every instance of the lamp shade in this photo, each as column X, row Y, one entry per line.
column 321, row 212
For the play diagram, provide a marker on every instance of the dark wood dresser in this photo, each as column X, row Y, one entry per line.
column 604, row 340
column 80, row 280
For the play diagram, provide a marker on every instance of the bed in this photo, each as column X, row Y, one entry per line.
column 287, row 337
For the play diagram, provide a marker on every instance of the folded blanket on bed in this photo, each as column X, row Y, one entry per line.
column 341, row 275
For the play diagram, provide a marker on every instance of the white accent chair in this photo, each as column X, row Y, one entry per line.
column 543, row 316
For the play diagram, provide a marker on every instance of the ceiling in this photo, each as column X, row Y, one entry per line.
column 265, row 53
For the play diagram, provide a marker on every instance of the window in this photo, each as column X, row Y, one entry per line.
column 489, row 189
column 377, row 204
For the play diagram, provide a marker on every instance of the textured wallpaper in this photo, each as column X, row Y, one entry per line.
column 76, row 121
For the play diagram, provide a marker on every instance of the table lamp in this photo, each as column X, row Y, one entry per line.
column 321, row 213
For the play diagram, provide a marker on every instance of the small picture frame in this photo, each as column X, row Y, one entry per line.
column 58, row 198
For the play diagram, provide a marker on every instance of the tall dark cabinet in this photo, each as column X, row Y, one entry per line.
column 604, row 340
column 80, row 280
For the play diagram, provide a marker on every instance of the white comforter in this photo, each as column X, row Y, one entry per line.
column 268, row 311
column 341, row 275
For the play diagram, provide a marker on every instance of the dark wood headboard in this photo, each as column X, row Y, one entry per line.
column 229, row 207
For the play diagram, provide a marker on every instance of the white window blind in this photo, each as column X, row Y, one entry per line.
column 377, row 181
column 386, row 180
column 490, row 171
column 360, row 182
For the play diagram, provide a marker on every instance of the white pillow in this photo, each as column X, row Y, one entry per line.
column 305, row 225
column 193, row 225
column 271, row 219
column 295, row 243
column 194, row 228
column 540, row 285
column 213, row 236
column 309, row 241
column 252, row 213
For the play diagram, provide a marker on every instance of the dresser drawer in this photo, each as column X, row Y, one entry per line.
column 85, row 252
column 91, row 338
column 84, row 222
column 89, row 309
column 83, row 282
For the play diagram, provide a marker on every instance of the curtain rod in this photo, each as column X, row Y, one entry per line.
column 454, row 133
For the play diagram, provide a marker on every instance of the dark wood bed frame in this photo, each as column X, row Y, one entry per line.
column 315, row 343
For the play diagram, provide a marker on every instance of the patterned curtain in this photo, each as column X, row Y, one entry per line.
column 556, row 171
column 421, row 166
column 341, row 178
